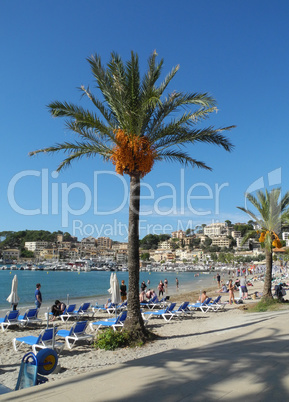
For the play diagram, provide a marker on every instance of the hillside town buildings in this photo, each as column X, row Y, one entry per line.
column 181, row 246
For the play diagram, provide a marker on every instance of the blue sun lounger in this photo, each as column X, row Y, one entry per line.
column 42, row 341
column 201, row 306
column 68, row 312
column 76, row 333
column 166, row 313
column 110, row 322
column 182, row 310
column 11, row 318
column 215, row 305
column 84, row 309
column 29, row 317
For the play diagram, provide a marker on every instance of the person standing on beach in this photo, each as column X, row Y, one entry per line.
column 243, row 285
column 231, row 292
column 166, row 285
column 143, row 286
column 161, row 288
column 123, row 291
column 219, row 280
column 177, row 283
column 38, row 296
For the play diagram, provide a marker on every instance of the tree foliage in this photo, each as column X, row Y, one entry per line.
column 18, row 239
column 272, row 213
column 135, row 123
column 151, row 241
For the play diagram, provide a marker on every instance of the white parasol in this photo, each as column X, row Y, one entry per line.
column 13, row 297
column 114, row 290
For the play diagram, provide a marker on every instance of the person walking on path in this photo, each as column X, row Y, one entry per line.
column 123, row 291
column 38, row 296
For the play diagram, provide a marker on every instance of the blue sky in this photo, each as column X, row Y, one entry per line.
column 235, row 50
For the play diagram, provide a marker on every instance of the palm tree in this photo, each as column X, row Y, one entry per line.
column 135, row 125
column 273, row 212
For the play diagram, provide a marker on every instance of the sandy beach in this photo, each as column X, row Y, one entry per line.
column 199, row 330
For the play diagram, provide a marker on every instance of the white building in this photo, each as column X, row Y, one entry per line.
column 165, row 245
column 216, row 229
column 221, row 241
column 11, row 254
column 239, row 245
column 121, row 256
column 88, row 241
column 236, row 234
column 35, row 245
column 179, row 234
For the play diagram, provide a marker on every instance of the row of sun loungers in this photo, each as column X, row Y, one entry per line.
column 31, row 316
column 185, row 309
column 71, row 312
column 51, row 337
column 14, row 318
column 48, row 338
column 85, row 310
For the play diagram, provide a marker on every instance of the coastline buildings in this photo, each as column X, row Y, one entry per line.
column 181, row 246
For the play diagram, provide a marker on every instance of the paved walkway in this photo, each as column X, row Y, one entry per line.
column 248, row 361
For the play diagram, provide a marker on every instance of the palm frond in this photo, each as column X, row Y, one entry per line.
column 138, row 107
column 182, row 158
column 253, row 216
column 76, row 151
column 178, row 100
column 106, row 113
column 176, row 134
column 251, row 234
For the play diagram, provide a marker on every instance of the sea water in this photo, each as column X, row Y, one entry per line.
column 93, row 286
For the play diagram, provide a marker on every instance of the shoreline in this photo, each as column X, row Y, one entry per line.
column 187, row 283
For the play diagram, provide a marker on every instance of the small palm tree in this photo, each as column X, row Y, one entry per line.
column 273, row 212
column 135, row 126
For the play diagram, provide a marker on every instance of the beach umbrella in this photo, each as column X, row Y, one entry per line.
column 13, row 297
column 114, row 290
column 110, row 283
column 115, row 296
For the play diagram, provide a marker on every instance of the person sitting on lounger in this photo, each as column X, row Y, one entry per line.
column 57, row 309
column 203, row 297
column 223, row 289
column 107, row 304
column 149, row 294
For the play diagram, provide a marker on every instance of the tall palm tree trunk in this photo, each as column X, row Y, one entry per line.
column 267, row 293
column 134, row 321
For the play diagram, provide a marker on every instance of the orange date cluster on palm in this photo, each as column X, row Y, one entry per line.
column 274, row 237
column 132, row 155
